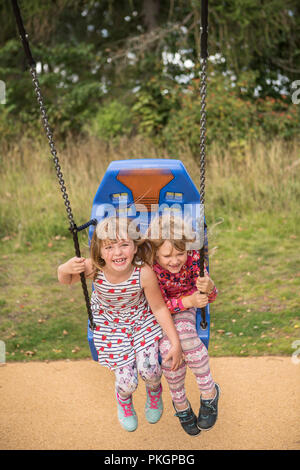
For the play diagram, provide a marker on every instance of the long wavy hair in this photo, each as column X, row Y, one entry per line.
column 175, row 229
column 112, row 230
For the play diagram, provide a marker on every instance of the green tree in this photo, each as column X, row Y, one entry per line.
column 90, row 52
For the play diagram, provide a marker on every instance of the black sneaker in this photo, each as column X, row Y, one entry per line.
column 188, row 420
column 208, row 412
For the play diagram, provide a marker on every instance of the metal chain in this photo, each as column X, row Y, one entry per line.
column 202, row 146
column 52, row 146
column 203, row 94
column 73, row 227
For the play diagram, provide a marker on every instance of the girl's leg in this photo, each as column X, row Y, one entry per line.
column 175, row 378
column 150, row 371
column 126, row 380
column 196, row 355
column 148, row 366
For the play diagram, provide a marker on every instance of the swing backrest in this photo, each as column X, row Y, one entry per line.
column 141, row 189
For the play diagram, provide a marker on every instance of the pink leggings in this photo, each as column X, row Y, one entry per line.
column 195, row 355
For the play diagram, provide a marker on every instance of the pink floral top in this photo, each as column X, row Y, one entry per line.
column 175, row 286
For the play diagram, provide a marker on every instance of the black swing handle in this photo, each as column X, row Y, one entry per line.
column 86, row 225
column 204, row 29
column 23, row 33
column 74, row 230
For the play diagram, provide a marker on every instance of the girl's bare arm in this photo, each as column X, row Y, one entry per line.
column 162, row 314
column 69, row 272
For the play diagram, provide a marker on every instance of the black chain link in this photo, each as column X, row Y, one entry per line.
column 52, row 146
column 73, row 227
column 203, row 93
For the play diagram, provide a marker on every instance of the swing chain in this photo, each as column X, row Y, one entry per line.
column 73, row 227
column 52, row 146
column 203, row 93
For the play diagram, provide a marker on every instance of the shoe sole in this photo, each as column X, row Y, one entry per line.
column 153, row 422
column 194, row 435
column 128, row 430
column 207, row 429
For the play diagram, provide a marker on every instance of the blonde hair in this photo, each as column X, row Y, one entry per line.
column 175, row 229
column 112, row 230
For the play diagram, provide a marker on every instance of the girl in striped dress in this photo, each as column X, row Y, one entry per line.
column 177, row 271
column 129, row 313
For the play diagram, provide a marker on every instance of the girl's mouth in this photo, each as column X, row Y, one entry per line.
column 119, row 260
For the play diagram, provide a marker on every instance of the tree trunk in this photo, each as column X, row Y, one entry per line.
column 150, row 13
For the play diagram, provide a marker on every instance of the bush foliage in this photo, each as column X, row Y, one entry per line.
column 233, row 117
column 119, row 68
column 171, row 115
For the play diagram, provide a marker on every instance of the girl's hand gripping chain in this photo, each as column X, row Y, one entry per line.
column 69, row 272
column 204, row 284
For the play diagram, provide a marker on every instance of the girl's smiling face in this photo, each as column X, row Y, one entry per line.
column 169, row 258
column 118, row 255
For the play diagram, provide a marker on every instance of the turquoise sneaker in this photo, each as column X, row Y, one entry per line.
column 126, row 413
column 154, row 405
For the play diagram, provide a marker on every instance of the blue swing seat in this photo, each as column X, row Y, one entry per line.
column 141, row 189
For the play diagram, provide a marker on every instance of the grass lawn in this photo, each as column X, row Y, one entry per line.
column 255, row 266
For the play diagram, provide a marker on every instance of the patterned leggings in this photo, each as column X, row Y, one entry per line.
column 147, row 365
column 195, row 354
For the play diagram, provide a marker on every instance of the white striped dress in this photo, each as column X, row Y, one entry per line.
column 124, row 321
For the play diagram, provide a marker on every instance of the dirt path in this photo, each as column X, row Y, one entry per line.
column 70, row 405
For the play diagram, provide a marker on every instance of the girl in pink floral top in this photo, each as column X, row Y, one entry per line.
column 178, row 274
column 175, row 286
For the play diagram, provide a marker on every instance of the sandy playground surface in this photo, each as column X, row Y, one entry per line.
column 70, row 405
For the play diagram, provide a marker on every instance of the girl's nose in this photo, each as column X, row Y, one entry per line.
column 117, row 250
